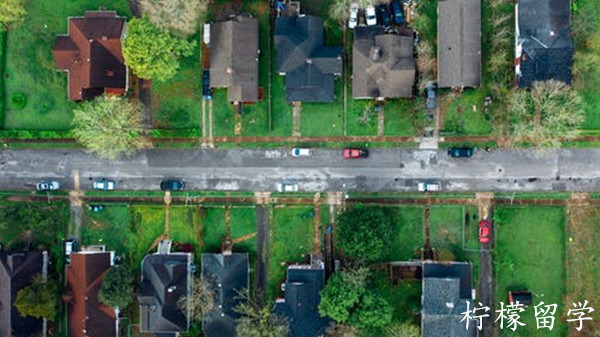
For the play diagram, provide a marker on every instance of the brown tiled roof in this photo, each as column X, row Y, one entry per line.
column 87, row 316
column 91, row 53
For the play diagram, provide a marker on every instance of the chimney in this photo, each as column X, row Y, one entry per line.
column 375, row 53
column 110, row 73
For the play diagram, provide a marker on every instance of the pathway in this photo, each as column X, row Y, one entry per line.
column 486, row 271
column 296, row 110
column 211, row 140
column 203, row 140
column 263, row 200
column 76, row 208
column 380, row 121
column 317, row 224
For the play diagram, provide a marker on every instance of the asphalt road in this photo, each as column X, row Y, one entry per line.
column 325, row 170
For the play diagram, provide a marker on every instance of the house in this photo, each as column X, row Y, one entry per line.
column 544, row 47
column 228, row 275
column 17, row 271
column 459, row 43
column 91, row 54
column 446, row 288
column 166, row 278
column 309, row 66
column 383, row 64
column 86, row 315
column 234, row 58
column 301, row 301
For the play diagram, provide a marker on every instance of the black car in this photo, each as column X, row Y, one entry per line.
column 206, row 90
column 457, row 152
column 172, row 185
column 384, row 15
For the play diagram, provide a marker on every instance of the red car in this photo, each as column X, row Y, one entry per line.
column 352, row 153
column 484, row 231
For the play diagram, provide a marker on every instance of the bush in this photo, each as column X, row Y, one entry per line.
column 18, row 100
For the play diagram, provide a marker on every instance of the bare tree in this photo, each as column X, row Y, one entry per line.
column 180, row 17
column 202, row 299
column 258, row 321
column 402, row 330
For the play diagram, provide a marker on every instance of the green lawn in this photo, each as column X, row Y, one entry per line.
column 30, row 66
column 530, row 255
column 324, row 119
column 460, row 117
column 213, row 228
column 400, row 117
column 408, row 237
column 355, row 121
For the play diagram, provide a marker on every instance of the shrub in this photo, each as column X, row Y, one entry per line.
column 18, row 100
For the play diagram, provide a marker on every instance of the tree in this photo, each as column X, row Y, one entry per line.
column 201, row 301
column 258, row 321
column 547, row 114
column 180, row 17
column 117, row 287
column 110, row 126
column 402, row 330
column 363, row 233
column 38, row 300
column 338, row 298
column 11, row 13
column 373, row 311
column 151, row 52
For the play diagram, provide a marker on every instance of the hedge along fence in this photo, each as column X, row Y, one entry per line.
column 35, row 134
column 2, row 70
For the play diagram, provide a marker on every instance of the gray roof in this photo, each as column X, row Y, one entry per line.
column 446, row 288
column 383, row 64
column 544, row 33
column 165, row 279
column 17, row 270
column 459, row 43
column 309, row 66
column 228, row 275
column 234, row 58
column 301, row 302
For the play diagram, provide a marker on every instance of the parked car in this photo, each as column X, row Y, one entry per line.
column 70, row 246
column 428, row 186
column 104, row 184
column 484, row 231
column 172, row 185
column 431, row 102
column 48, row 186
column 206, row 90
column 398, row 12
column 353, row 21
column 458, row 152
column 384, row 15
column 301, row 152
column 287, row 186
column 352, row 153
column 95, row 208
column 371, row 16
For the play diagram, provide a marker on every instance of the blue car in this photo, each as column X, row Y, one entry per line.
column 398, row 12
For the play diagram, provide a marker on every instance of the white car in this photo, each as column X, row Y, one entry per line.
column 353, row 15
column 429, row 186
column 48, row 186
column 104, row 184
column 301, row 152
column 287, row 187
column 371, row 16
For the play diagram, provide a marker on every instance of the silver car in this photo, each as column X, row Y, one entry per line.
column 48, row 186
column 287, row 187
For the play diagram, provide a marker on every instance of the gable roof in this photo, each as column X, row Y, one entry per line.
column 300, row 305
column 234, row 58
column 227, row 275
column 86, row 315
column 309, row 66
column 544, row 48
column 91, row 53
column 459, row 43
column 446, row 288
column 165, row 279
column 17, row 271
column 383, row 64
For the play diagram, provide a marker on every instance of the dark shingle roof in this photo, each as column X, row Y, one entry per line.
column 308, row 64
column 459, row 43
column 383, row 64
column 228, row 275
column 234, row 58
column 301, row 302
column 17, row 270
column 165, row 279
column 544, row 44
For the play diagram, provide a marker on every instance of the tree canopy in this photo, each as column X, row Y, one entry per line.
column 258, row 321
column 110, row 126
column 42, row 220
column 363, row 232
column 180, row 17
column 201, row 301
column 38, row 300
column 117, row 287
column 11, row 13
column 151, row 52
column 548, row 113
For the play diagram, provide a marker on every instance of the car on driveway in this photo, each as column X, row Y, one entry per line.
column 352, row 153
column 484, row 231
column 398, row 12
column 384, row 15
column 48, row 186
column 353, row 21
column 460, row 152
column 206, row 90
column 287, row 186
column 70, row 246
column 429, row 186
column 430, row 102
column 301, row 152
column 371, row 16
column 172, row 185
column 104, row 184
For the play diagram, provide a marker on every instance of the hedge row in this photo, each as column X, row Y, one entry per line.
column 35, row 134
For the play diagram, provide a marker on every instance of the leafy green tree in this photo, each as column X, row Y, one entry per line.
column 110, row 126
column 117, row 287
column 363, row 233
column 42, row 220
column 373, row 311
column 339, row 298
column 38, row 300
column 11, row 13
column 152, row 52
column 547, row 114
column 258, row 321
column 180, row 17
